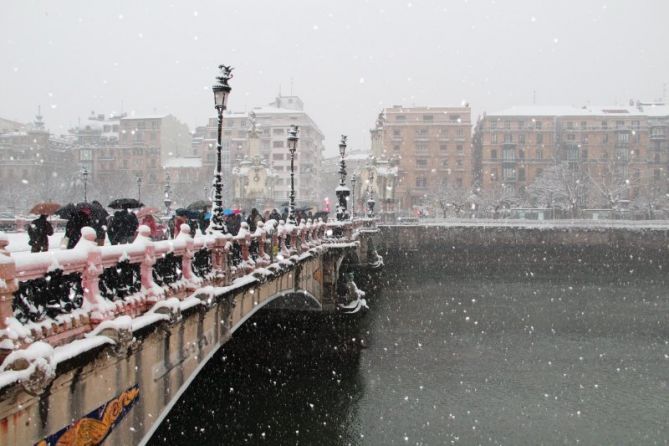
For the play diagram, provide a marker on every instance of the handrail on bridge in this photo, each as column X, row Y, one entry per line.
column 59, row 296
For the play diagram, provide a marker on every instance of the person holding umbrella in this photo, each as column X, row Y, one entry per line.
column 81, row 218
column 99, row 221
column 123, row 225
column 39, row 231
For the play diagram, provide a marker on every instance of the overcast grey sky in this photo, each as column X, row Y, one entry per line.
column 346, row 59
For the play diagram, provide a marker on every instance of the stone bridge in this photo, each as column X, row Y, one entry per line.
column 99, row 342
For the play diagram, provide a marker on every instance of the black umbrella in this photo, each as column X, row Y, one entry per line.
column 199, row 205
column 181, row 212
column 125, row 203
column 99, row 212
column 66, row 211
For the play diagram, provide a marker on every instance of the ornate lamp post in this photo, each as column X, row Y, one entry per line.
column 221, row 91
column 292, row 147
column 342, row 191
column 84, row 175
column 167, row 200
column 139, row 189
column 354, row 180
column 370, row 195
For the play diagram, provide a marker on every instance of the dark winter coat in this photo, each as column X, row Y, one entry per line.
column 73, row 227
column 253, row 220
column 122, row 227
column 39, row 231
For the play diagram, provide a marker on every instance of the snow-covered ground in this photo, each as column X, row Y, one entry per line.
column 18, row 241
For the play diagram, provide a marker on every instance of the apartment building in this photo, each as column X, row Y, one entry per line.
column 433, row 147
column 513, row 147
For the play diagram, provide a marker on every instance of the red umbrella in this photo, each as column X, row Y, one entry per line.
column 47, row 208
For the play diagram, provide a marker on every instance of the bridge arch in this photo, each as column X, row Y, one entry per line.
column 282, row 301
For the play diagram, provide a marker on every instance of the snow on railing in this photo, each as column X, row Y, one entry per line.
column 59, row 296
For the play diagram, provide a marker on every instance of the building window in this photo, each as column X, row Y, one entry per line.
column 620, row 124
column 458, row 182
column 493, row 124
column 277, row 131
column 459, row 149
column 521, row 124
column 460, row 132
column 540, row 138
column 422, row 132
column 521, row 174
column 277, row 144
column 493, row 154
column 584, row 154
column 509, row 154
column 421, row 163
column 605, row 138
column 605, row 125
column 493, row 174
column 571, row 137
column 509, row 173
column 396, row 147
column 623, row 138
column 443, row 147
column 85, row 155
column 507, row 124
column 538, row 125
column 508, row 138
column 429, row 118
column 540, row 153
column 521, row 138
column 584, row 125
column 521, row 154
column 494, row 138
column 396, row 133
column 444, row 162
column 400, row 118
column 421, row 182
column 458, row 163
column 277, row 156
column 421, row 147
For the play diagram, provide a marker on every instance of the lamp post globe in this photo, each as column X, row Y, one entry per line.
column 221, row 90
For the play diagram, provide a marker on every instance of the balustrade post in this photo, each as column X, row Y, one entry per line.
column 244, row 240
column 304, row 244
column 90, row 276
column 293, row 240
column 153, row 291
column 8, row 283
column 261, row 235
column 283, row 249
column 187, row 257
column 220, row 259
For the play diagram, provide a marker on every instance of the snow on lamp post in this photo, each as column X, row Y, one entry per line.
column 370, row 195
column 292, row 147
column 221, row 91
column 167, row 200
column 84, row 175
column 342, row 191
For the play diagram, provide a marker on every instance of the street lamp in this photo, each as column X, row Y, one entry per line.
column 221, row 91
column 139, row 189
column 292, row 147
column 354, row 179
column 167, row 201
column 342, row 191
column 370, row 195
column 84, row 174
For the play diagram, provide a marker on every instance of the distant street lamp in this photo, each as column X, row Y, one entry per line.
column 292, row 147
column 370, row 195
column 84, row 174
column 342, row 191
column 139, row 189
column 354, row 179
column 167, row 200
column 221, row 91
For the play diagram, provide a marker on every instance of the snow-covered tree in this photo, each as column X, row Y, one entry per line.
column 562, row 186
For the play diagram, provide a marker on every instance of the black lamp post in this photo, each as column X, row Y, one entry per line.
column 370, row 195
column 84, row 174
column 292, row 147
column 139, row 189
column 167, row 200
column 354, row 180
column 342, row 191
column 221, row 91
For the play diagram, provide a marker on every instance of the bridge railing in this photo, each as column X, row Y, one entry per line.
column 58, row 296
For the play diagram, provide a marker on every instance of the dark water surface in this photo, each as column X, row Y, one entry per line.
column 446, row 360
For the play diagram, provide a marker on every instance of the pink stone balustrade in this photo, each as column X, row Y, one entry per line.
column 90, row 261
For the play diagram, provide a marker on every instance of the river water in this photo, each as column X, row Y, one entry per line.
column 446, row 359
